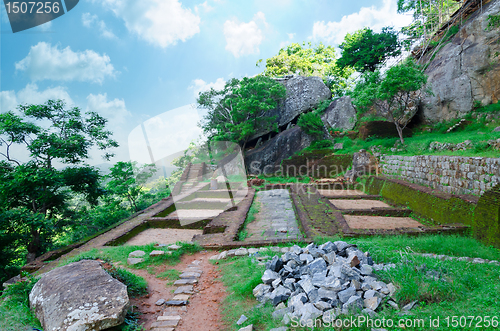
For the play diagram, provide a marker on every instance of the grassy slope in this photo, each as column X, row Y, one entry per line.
column 469, row 289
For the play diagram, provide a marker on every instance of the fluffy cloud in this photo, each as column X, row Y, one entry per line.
column 9, row 100
column 159, row 22
column 205, row 6
column 89, row 21
column 45, row 61
column 199, row 85
column 244, row 38
column 375, row 18
column 114, row 110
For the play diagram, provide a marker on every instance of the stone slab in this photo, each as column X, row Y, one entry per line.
column 186, row 281
column 380, row 222
column 188, row 289
column 359, row 204
column 340, row 192
column 181, row 297
column 176, row 303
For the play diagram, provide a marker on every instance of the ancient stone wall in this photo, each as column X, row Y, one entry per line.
column 450, row 174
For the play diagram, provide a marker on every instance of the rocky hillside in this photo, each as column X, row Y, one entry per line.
column 466, row 69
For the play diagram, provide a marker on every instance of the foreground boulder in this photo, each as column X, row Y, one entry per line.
column 80, row 296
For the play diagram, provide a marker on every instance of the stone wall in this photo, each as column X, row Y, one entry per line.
column 450, row 174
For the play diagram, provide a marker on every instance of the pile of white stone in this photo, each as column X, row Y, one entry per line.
column 323, row 281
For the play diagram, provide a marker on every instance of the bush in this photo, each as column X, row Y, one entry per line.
column 312, row 124
column 321, row 144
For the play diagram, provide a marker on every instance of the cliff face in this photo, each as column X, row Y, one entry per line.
column 465, row 70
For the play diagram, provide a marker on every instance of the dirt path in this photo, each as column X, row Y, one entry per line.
column 203, row 311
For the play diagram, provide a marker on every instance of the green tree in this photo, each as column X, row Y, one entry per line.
column 395, row 96
column 36, row 188
column 364, row 50
column 239, row 109
column 127, row 180
column 428, row 16
column 317, row 60
column 312, row 124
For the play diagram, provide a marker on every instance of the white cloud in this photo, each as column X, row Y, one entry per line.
column 9, row 100
column 375, row 18
column 205, row 6
column 291, row 35
column 159, row 22
column 89, row 21
column 47, row 62
column 244, row 38
column 114, row 110
column 199, row 85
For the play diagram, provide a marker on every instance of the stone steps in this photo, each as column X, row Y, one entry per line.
column 176, row 306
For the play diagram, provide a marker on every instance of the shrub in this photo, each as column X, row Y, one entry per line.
column 321, row 144
column 312, row 124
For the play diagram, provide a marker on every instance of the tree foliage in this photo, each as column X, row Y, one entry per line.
column 428, row 16
column 239, row 109
column 127, row 180
column 364, row 50
column 309, row 60
column 312, row 124
column 34, row 194
column 395, row 96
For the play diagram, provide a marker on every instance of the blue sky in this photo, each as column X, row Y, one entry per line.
column 132, row 61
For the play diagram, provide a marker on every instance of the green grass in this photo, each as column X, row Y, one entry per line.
column 170, row 275
column 463, row 289
column 254, row 209
column 15, row 312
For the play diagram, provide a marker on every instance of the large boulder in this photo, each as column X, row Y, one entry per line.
column 267, row 158
column 80, row 296
column 340, row 114
column 465, row 70
column 363, row 163
column 302, row 95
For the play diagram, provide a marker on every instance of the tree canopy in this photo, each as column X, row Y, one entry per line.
column 395, row 96
column 301, row 60
column 364, row 50
column 239, row 109
column 34, row 194
column 309, row 60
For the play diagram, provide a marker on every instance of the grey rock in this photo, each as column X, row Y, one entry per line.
column 338, row 146
column 137, row 254
column 353, row 305
column 297, row 301
column 242, row 320
column 306, row 285
column 281, row 328
column 79, row 296
column 328, row 247
column 366, row 270
column 326, row 294
column 296, row 249
column 241, row 252
column 356, row 284
column 307, row 258
column 497, row 129
column 317, row 265
column 134, row 260
column 372, row 303
column 392, row 289
column 281, row 294
column 331, row 284
column 322, row 305
column 393, row 304
column 252, row 251
column 269, row 276
column 268, row 157
column 176, row 303
column 370, row 294
column 309, row 313
column 174, row 247
column 160, row 302
column 330, row 257
column 346, row 294
column 157, row 253
column 187, row 289
column 276, row 282
column 369, row 312
column 409, row 306
column 247, row 328
column 340, row 114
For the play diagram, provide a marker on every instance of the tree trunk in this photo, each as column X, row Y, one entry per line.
column 33, row 246
column 400, row 133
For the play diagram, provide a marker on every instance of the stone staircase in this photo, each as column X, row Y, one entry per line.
column 193, row 177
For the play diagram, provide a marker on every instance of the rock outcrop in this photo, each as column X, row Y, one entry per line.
column 80, row 296
column 465, row 70
column 340, row 114
column 363, row 163
column 302, row 94
column 267, row 158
